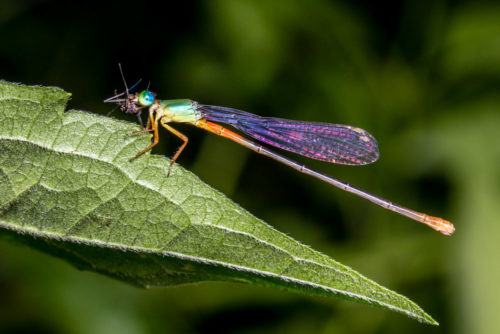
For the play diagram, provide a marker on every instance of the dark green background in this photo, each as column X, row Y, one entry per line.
column 422, row 76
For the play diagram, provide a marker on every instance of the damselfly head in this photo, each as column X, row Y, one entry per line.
column 145, row 98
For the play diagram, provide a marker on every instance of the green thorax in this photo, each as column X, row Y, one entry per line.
column 179, row 111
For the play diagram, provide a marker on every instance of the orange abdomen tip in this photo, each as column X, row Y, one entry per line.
column 439, row 224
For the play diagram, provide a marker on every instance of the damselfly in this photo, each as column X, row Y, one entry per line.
column 340, row 144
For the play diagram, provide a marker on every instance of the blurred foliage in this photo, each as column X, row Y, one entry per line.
column 422, row 76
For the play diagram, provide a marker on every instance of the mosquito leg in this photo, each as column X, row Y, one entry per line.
column 140, row 120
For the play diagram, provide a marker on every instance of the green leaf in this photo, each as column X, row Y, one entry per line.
column 67, row 188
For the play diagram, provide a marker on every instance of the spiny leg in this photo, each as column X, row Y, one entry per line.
column 181, row 136
column 156, row 139
column 140, row 131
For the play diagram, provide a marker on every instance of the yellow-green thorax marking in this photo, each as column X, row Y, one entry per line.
column 176, row 111
column 164, row 112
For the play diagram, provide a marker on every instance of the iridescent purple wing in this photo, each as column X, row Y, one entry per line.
column 340, row 144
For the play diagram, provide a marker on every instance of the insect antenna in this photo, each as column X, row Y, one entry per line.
column 123, row 78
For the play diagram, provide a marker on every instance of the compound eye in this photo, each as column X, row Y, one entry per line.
column 146, row 98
